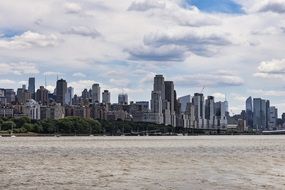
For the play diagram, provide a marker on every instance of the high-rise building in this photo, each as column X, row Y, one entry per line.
column 10, row 95
column 156, row 102
column 85, row 94
column 210, row 112
column 184, row 100
column 272, row 118
column 267, row 113
column 283, row 118
column 220, row 115
column 169, row 94
column 106, row 97
column 159, row 86
column 176, row 104
column 257, row 113
column 42, row 96
column 123, row 99
column 249, row 112
column 23, row 95
column 260, row 112
column 198, row 102
column 3, row 99
column 156, row 115
column 96, row 93
column 69, row 95
column 32, row 85
column 61, row 89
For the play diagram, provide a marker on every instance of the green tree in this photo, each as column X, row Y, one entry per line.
column 8, row 125
column 29, row 127
column 20, row 122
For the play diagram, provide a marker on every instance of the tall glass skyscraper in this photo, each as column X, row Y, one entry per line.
column 32, row 85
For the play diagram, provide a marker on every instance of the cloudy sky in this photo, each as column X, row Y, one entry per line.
column 232, row 47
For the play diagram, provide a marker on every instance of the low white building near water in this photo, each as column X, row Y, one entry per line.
column 32, row 109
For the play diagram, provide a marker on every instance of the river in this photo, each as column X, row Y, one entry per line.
column 200, row 162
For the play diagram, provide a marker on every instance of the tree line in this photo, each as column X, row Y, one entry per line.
column 78, row 126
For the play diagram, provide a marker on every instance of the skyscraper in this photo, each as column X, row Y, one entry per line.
column 220, row 114
column 169, row 94
column 123, row 99
column 159, row 86
column 106, row 97
column 260, row 114
column 267, row 113
column 184, row 100
column 156, row 102
column 23, row 95
column 61, row 89
column 42, row 96
column 198, row 102
column 85, row 94
column 210, row 112
column 69, row 95
column 272, row 118
column 249, row 112
column 96, row 93
column 32, row 85
column 10, row 95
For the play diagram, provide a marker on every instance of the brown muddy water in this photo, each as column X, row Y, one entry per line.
column 207, row 162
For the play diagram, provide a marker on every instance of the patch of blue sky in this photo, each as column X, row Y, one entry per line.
column 217, row 6
column 9, row 33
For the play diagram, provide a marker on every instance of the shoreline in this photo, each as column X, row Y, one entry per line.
column 85, row 135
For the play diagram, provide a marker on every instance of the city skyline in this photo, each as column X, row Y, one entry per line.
column 196, row 45
column 190, row 111
column 115, row 98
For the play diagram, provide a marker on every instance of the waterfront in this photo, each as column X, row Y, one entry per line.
column 201, row 162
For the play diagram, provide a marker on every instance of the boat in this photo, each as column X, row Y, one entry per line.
column 13, row 136
column 274, row 132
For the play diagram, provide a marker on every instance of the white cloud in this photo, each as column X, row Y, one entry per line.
column 174, row 45
column 140, row 38
column 208, row 80
column 7, row 82
column 82, row 75
column 53, row 73
column 28, row 40
column 274, row 69
column 146, row 5
column 83, row 31
column 219, row 96
column 237, row 97
column 119, row 82
column 268, row 93
column 50, row 88
column 274, row 66
column 20, row 68
column 277, row 6
column 72, row 8
column 80, row 85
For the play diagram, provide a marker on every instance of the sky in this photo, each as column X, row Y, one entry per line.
column 232, row 48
